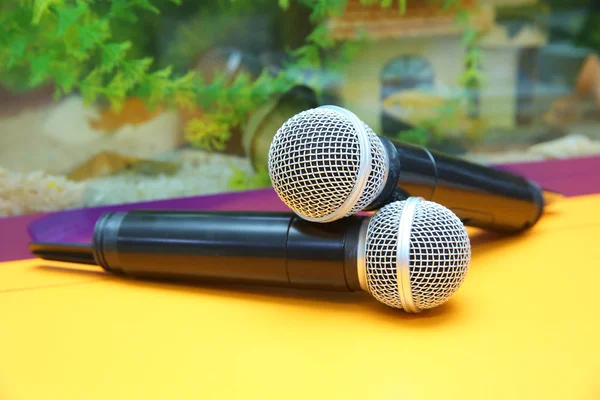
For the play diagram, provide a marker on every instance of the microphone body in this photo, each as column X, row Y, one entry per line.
column 326, row 164
column 273, row 249
column 480, row 196
column 412, row 254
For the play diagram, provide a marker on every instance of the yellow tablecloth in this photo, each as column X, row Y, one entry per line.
column 523, row 326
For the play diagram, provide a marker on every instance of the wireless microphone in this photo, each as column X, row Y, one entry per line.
column 412, row 254
column 326, row 164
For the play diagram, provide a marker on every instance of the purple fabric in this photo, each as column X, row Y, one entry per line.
column 76, row 225
column 570, row 177
column 14, row 236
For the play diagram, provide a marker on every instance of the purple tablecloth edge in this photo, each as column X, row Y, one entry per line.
column 17, row 231
column 571, row 177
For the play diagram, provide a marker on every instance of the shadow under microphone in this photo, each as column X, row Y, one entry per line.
column 412, row 254
column 326, row 164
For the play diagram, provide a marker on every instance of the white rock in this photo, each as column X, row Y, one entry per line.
column 58, row 137
column 201, row 173
column 567, row 147
column 23, row 193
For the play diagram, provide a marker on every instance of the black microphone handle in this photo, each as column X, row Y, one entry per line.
column 480, row 196
column 275, row 249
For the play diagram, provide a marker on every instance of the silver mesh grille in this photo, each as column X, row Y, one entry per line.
column 440, row 252
column 314, row 162
column 380, row 255
column 379, row 169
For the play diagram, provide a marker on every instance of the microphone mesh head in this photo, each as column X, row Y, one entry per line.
column 326, row 164
column 439, row 253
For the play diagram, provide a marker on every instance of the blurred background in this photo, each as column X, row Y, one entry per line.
column 133, row 100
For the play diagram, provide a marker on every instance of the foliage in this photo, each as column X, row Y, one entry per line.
column 103, row 51
column 228, row 105
column 72, row 46
column 470, row 80
column 532, row 13
column 589, row 34
column 431, row 129
column 243, row 181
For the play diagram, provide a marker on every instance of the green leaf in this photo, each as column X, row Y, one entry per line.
column 474, row 56
column 146, row 5
column 17, row 49
column 348, row 51
column 402, row 4
column 65, row 80
column 185, row 99
column 183, row 81
column 207, row 94
column 93, row 34
column 462, row 17
column 152, row 92
column 39, row 9
column 163, row 73
column 469, row 36
column 284, row 4
column 91, row 86
column 40, row 69
column 263, row 88
column 67, row 16
column 308, row 55
column 113, row 54
column 116, row 91
column 238, row 180
column 472, row 77
column 121, row 9
column 326, row 8
column 207, row 134
column 417, row 136
column 134, row 71
column 156, row 85
column 241, row 180
column 320, row 37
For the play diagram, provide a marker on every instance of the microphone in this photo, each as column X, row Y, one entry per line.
column 326, row 164
column 412, row 254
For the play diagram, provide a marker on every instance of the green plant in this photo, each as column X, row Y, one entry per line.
column 71, row 44
column 100, row 50
column 320, row 52
column 470, row 81
column 241, row 180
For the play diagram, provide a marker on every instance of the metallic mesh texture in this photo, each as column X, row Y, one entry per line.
column 440, row 253
column 378, row 175
column 380, row 254
column 314, row 161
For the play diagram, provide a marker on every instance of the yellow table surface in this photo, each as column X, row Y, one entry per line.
column 523, row 326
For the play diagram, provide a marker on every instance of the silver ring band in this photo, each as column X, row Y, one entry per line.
column 403, row 254
column 361, row 254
